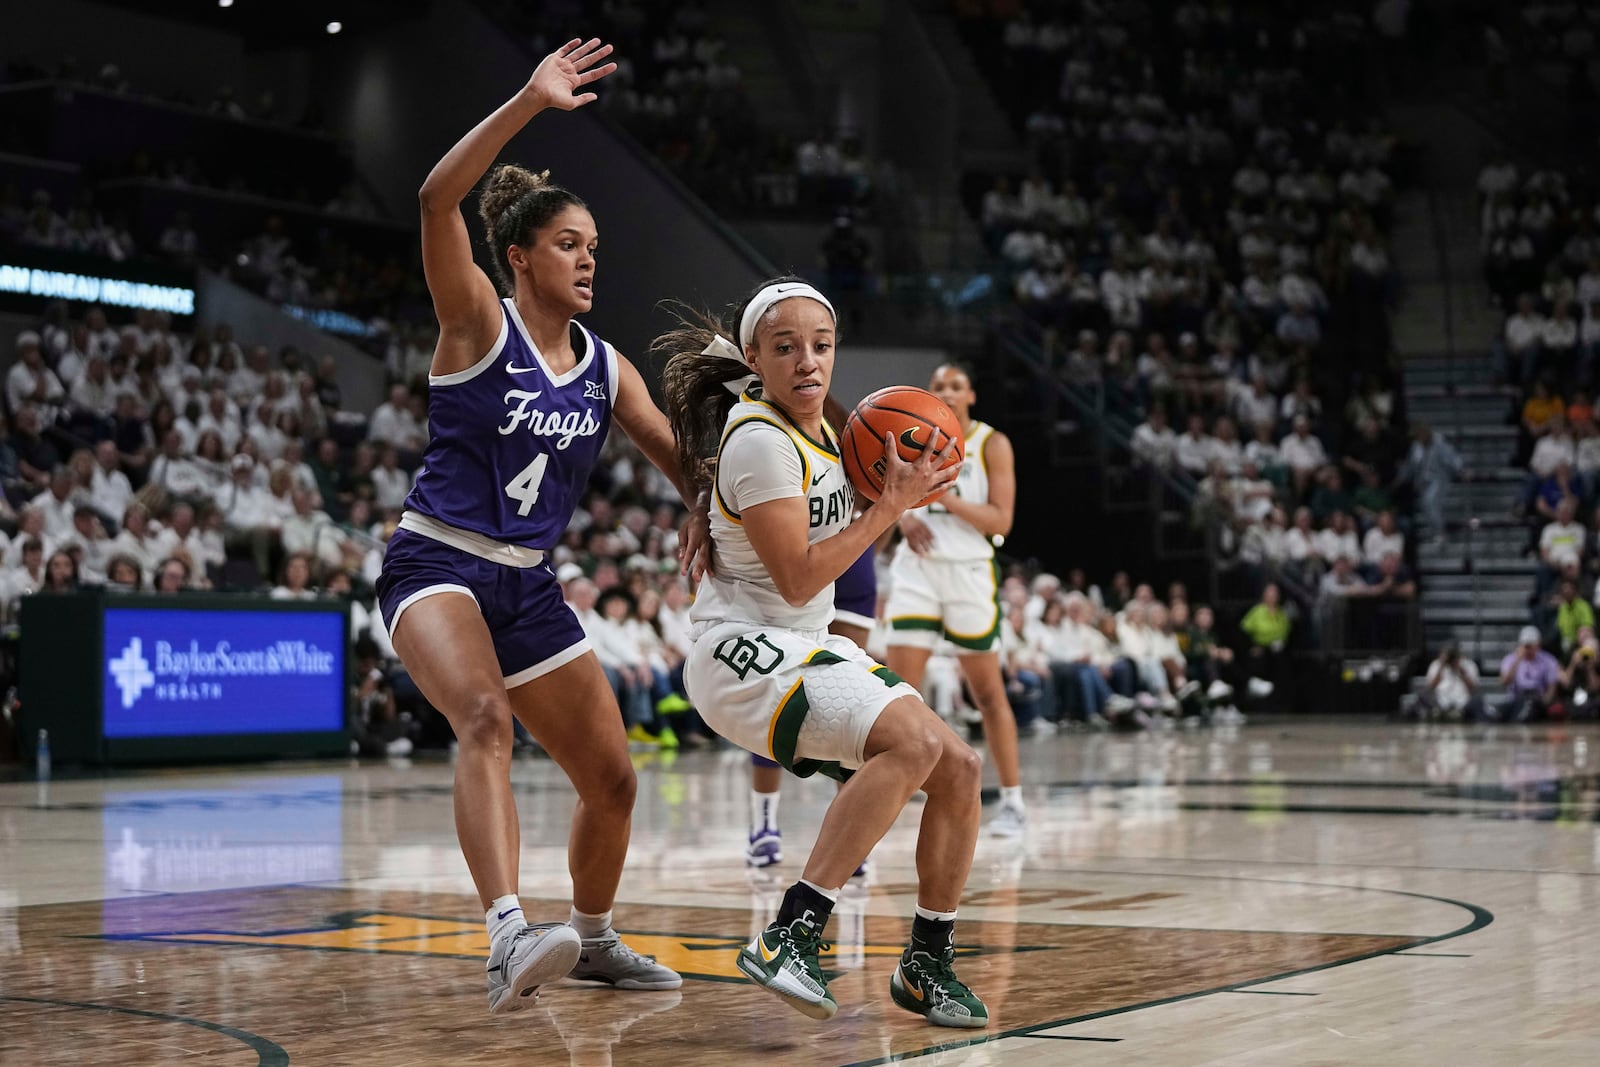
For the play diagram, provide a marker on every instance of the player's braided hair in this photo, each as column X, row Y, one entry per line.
column 693, row 383
column 514, row 203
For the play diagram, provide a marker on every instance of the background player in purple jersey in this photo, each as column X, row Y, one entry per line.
column 520, row 400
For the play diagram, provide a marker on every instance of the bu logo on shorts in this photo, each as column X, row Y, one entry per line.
column 743, row 655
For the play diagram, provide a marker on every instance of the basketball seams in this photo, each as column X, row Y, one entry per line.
column 937, row 417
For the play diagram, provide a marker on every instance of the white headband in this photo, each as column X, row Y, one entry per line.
column 762, row 302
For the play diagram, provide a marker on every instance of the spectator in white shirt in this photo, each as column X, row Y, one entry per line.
column 1194, row 447
column 29, row 381
column 393, row 423
column 247, row 382
column 1383, row 539
column 1561, row 543
column 1338, row 539
column 1554, row 448
column 1518, row 352
column 110, row 489
column 183, row 538
column 1154, row 443
column 247, row 505
column 93, row 394
column 264, row 432
column 1303, row 454
column 312, row 532
column 56, row 504
column 1559, row 339
column 135, row 541
column 1225, row 446
column 390, row 482
column 222, row 417
column 1257, row 406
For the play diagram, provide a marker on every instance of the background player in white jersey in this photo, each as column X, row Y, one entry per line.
column 520, row 399
column 765, row 673
column 945, row 585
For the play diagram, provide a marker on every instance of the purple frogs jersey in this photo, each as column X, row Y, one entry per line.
column 511, row 444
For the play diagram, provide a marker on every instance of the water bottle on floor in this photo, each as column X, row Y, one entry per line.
column 41, row 757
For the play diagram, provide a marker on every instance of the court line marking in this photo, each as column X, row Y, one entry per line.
column 1481, row 917
column 268, row 1053
column 1271, row 993
column 1069, row 1037
column 1442, row 955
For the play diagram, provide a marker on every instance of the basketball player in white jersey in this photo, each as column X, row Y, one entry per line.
column 945, row 585
column 765, row 673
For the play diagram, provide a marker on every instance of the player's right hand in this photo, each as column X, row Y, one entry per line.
column 906, row 484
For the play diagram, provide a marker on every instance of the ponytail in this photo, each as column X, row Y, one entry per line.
column 694, row 386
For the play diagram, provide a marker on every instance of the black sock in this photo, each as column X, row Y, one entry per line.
column 804, row 903
column 932, row 936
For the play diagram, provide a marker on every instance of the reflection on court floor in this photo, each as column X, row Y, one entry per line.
column 1277, row 894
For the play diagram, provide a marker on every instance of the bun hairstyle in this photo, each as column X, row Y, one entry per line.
column 514, row 203
column 693, row 386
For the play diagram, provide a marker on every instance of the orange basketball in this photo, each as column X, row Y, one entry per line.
column 911, row 415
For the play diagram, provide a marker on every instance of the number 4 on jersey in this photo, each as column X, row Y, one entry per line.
column 524, row 488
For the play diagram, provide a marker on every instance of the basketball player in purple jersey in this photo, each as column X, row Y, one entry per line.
column 520, row 400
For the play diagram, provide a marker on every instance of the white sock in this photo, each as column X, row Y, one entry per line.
column 504, row 916
column 831, row 894
column 590, row 926
column 1011, row 796
column 763, row 810
column 935, row 916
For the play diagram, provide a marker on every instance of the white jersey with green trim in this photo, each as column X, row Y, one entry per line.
column 955, row 538
column 763, row 457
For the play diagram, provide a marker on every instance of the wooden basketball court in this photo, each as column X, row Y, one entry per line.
column 1323, row 893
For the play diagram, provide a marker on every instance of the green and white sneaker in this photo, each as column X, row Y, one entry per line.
column 783, row 960
column 927, row 984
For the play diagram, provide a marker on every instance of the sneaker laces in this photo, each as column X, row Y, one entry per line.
column 614, row 945
column 807, row 945
column 942, row 969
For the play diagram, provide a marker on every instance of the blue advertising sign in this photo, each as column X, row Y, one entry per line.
column 180, row 673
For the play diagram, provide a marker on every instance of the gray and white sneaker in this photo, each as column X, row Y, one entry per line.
column 522, row 962
column 1011, row 821
column 608, row 961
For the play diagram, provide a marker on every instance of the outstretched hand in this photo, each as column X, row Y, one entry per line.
column 569, row 68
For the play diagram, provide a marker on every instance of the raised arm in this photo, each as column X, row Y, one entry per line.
column 464, row 299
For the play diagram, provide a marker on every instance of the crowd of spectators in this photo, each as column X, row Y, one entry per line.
column 1541, row 247
column 679, row 90
column 1081, row 656
column 1202, row 242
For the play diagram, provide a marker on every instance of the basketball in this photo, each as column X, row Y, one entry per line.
column 911, row 415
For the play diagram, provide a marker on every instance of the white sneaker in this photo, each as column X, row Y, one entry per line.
column 521, row 962
column 1117, row 704
column 1011, row 821
column 1219, row 690
column 400, row 746
column 1259, row 688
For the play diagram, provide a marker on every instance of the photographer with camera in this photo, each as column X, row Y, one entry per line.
column 1532, row 679
column 1580, row 681
column 1453, row 687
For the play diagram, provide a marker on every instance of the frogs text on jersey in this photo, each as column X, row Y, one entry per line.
column 563, row 427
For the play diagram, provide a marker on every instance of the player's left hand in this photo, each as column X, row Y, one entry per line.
column 694, row 546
